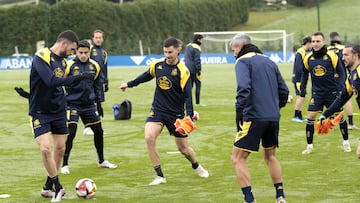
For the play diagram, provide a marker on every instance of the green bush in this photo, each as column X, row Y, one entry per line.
column 124, row 24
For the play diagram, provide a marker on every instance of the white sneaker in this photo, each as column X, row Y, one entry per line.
column 58, row 195
column 352, row 127
column 280, row 199
column 201, row 172
column 88, row 131
column 158, row 180
column 47, row 193
column 65, row 169
column 106, row 164
column 347, row 148
column 308, row 150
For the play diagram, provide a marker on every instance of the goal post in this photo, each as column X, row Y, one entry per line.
column 266, row 40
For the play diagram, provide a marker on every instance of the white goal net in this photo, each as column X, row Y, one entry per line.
column 271, row 42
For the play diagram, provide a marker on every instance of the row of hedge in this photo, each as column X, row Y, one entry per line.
column 124, row 25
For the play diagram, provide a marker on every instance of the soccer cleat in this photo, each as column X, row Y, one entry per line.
column 347, row 148
column 201, row 172
column 65, row 169
column 88, row 131
column 308, row 150
column 280, row 199
column 297, row 119
column 158, row 180
column 47, row 193
column 106, row 164
column 58, row 195
column 353, row 127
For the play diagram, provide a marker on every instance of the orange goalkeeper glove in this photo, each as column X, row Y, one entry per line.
column 185, row 126
column 325, row 125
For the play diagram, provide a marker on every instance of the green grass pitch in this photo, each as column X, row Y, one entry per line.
column 327, row 176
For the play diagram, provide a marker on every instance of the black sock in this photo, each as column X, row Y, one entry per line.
column 158, row 171
column 56, row 182
column 279, row 190
column 298, row 114
column 344, row 129
column 48, row 184
column 351, row 122
column 195, row 165
column 310, row 131
column 248, row 195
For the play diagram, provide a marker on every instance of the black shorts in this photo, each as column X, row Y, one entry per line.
column 317, row 102
column 55, row 124
column 253, row 132
column 166, row 119
column 88, row 114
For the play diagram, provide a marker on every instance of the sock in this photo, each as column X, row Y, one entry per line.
column 298, row 114
column 345, row 142
column 248, row 195
column 48, row 184
column 350, row 117
column 56, row 182
column 344, row 129
column 310, row 131
column 158, row 171
column 195, row 165
column 279, row 189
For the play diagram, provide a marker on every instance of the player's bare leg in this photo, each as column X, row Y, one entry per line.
column 152, row 131
column 242, row 172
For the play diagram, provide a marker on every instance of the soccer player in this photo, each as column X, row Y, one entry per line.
column 296, row 77
column 350, row 57
column 193, row 63
column 47, row 107
column 98, row 54
column 82, row 99
column 173, row 90
column 337, row 47
column 261, row 92
column 327, row 79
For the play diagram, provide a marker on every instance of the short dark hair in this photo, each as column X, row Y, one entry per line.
column 332, row 35
column 319, row 33
column 305, row 40
column 197, row 37
column 68, row 35
column 171, row 41
column 98, row 31
column 355, row 48
column 83, row 43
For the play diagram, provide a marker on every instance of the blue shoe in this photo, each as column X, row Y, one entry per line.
column 297, row 119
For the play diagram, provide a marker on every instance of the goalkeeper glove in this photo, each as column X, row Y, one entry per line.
column 321, row 119
column 185, row 126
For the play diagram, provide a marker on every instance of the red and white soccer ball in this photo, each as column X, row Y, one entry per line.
column 85, row 188
column 196, row 116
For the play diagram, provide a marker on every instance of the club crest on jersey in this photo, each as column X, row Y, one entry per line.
column 94, row 52
column 325, row 57
column 164, row 83
column 76, row 70
column 319, row 70
column 174, row 72
column 59, row 72
column 91, row 67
